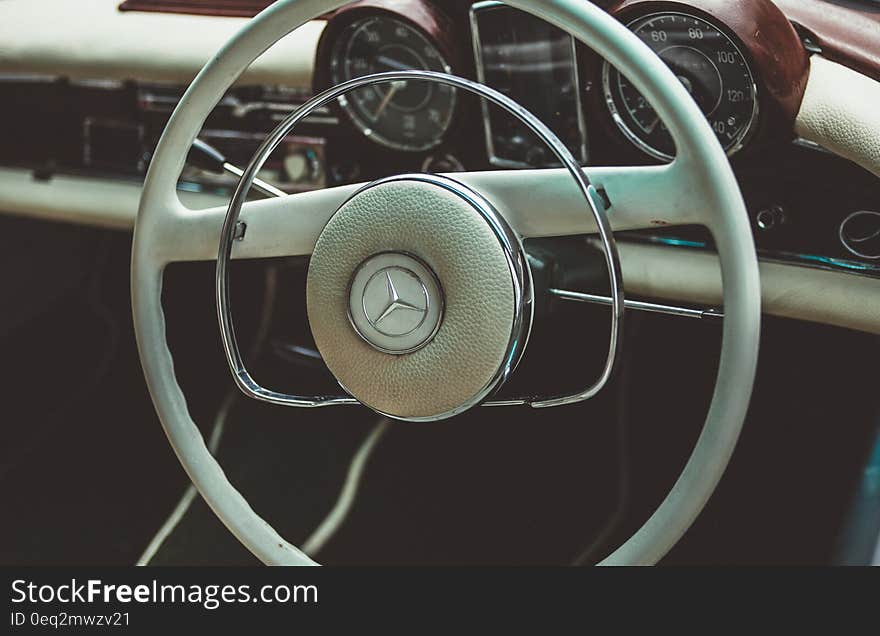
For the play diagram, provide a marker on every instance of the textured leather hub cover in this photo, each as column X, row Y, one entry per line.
column 446, row 232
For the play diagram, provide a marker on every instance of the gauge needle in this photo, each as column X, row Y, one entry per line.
column 653, row 125
column 392, row 63
column 395, row 86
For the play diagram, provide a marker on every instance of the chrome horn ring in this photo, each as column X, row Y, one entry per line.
column 594, row 201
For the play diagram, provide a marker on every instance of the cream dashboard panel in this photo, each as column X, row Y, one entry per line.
column 92, row 39
column 682, row 275
column 841, row 299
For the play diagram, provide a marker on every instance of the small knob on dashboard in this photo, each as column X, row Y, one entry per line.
column 537, row 156
column 770, row 218
column 302, row 165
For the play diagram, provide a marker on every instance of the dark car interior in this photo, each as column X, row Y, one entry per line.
column 87, row 475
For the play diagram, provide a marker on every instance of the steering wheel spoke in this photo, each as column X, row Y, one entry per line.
column 543, row 203
column 536, row 203
column 282, row 226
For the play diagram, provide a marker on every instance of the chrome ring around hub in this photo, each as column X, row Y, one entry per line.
column 395, row 303
column 374, row 289
column 594, row 203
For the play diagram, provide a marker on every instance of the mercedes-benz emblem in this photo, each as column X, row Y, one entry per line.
column 388, row 311
column 395, row 303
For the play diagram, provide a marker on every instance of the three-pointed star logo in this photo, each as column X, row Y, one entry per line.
column 395, row 302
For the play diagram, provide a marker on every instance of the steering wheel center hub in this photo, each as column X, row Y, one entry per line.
column 395, row 303
column 419, row 297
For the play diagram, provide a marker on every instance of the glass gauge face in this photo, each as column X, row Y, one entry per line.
column 708, row 64
column 405, row 115
column 535, row 64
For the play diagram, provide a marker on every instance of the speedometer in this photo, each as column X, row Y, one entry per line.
column 709, row 65
column 405, row 115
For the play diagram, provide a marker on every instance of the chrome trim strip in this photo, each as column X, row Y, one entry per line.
column 792, row 259
column 825, row 263
column 481, row 77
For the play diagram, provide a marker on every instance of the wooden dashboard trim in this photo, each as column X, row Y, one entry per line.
column 227, row 8
column 848, row 33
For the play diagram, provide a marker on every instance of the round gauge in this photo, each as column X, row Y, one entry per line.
column 405, row 115
column 709, row 65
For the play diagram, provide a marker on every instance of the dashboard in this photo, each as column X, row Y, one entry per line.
column 807, row 206
column 748, row 80
column 558, row 79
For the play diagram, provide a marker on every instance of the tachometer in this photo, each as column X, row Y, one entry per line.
column 411, row 115
column 709, row 65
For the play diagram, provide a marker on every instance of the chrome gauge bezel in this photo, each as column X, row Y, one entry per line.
column 337, row 59
column 742, row 138
column 477, row 45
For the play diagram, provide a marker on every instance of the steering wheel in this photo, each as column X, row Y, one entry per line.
column 418, row 292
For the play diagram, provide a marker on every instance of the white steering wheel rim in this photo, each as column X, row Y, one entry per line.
column 710, row 182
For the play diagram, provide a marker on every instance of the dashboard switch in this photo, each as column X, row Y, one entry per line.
column 770, row 218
